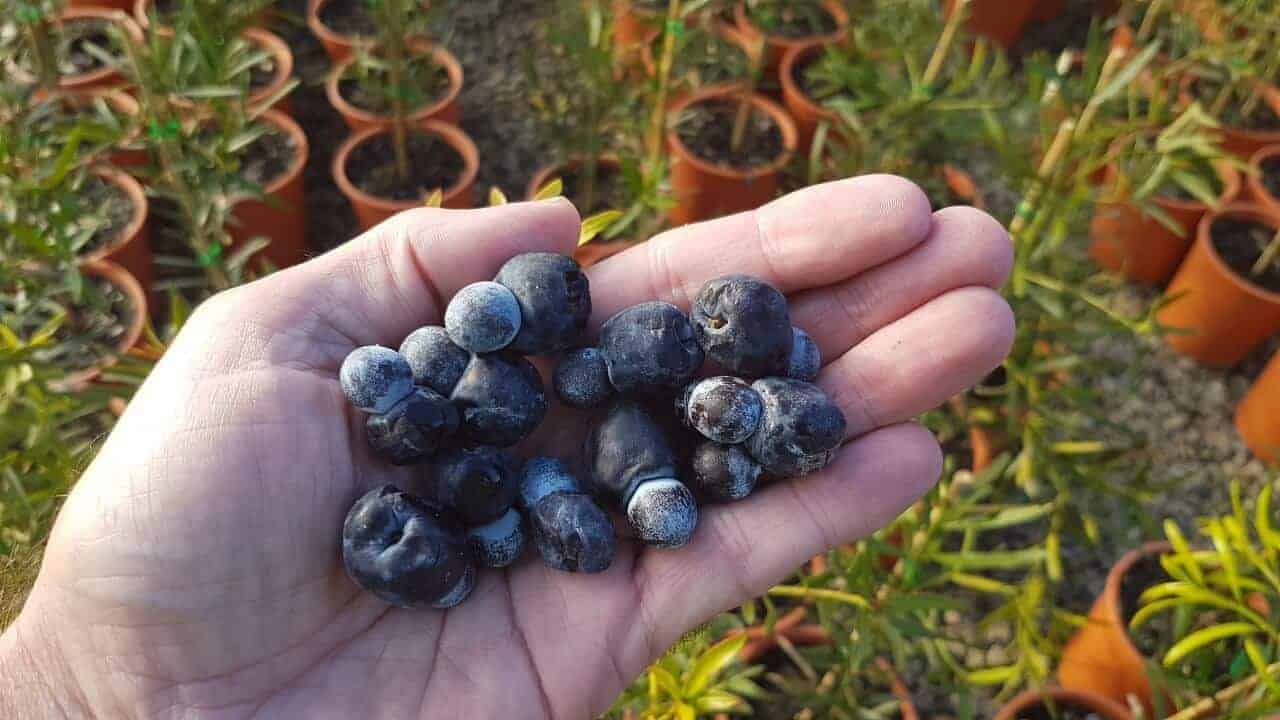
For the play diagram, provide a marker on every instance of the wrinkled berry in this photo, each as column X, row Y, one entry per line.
column 631, row 460
column 554, row 298
column 806, row 360
column 722, row 408
column 742, row 323
column 581, row 379
column 650, row 347
column 498, row 544
column 375, row 378
column 479, row 484
column 436, row 361
column 501, row 399
column 571, row 531
column 800, row 431
column 406, row 551
column 483, row 317
column 416, row 427
column 723, row 473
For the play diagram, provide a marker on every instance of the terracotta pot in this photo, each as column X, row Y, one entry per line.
column 444, row 109
column 1139, row 247
column 127, row 154
column 704, row 190
column 129, row 285
column 1100, row 658
column 982, row 442
column 339, row 47
column 1258, row 414
column 633, row 28
column 121, row 5
column 1062, row 697
column 776, row 46
column 1255, row 190
column 103, row 77
column 962, row 185
column 282, row 214
column 1228, row 315
column 371, row 209
column 999, row 20
column 807, row 113
column 283, row 58
column 1046, row 10
column 1240, row 142
column 132, row 248
column 596, row 250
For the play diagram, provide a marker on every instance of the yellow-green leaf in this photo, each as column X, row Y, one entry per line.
column 596, row 224
column 711, row 663
column 665, row 680
column 993, row 676
column 550, row 190
column 982, row 584
column 496, row 196
column 718, row 701
column 1203, row 638
column 686, row 712
column 435, row 199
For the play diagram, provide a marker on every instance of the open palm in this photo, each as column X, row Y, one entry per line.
column 196, row 569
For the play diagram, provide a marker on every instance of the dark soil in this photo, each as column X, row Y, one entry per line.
column 1271, row 175
column 77, row 34
column 262, row 74
column 610, row 192
column 110, row 204
column 706, row 129
column 348, row 17
column 1067, row 29
column 1174, row 191
column 1057, row 712
column 268, row 157
column 429, row 82
column 432, row 164
column 1154, row 634
column 793, row 19
column 1239, row 243
column 1263, row 117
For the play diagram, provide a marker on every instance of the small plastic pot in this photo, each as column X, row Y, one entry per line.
column 1258, row 414
column 132, row 289
column 371, row 209
column 1125, row 240
column 1063, row 698
column 633, row 28
column 1228, row 316
column 999, row 20
column 807, row 113
column 445, row 109
column 283, row 58
column 132, row 249
column 339, row 47
column 282, row 214
column 1101, row 659
column 103, row 77
column 776, row 45
column 704, row 190
column 127, row 154
column 1255, row 190
column 1241, row 142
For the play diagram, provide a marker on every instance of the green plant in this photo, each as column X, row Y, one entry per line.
column 38, row 36
column 790, row 17
column 695, row 679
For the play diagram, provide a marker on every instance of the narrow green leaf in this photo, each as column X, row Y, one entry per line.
column 1205, row 637
column 712, row 662
column 993, row 676
column 550, row 190
column 596, row 224
column 496, row 196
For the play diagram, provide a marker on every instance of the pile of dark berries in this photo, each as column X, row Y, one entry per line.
column 455, row 399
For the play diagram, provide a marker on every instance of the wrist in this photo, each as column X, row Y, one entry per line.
column 33, row 677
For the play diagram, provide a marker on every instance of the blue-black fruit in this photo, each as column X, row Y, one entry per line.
column 406, row 551
column 650, row 347
column 436, row 361
column 572, row 533
column 722, row 408
column 500, row 398
column 800, row 431
column 806, row 359
column 416, row 427
column 581, row 379
column 722, row 473
column 554, row 298
column 479, row 484
column 499, row 543
column 483, row 317
column 742, row 323
column 375, row 378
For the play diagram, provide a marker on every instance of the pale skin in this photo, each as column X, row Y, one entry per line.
column 195, row 570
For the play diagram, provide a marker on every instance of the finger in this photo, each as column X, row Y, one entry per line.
column 399, row 275
column 965, row 247
column 916, row 363
column 812, row 237
column 742, row 549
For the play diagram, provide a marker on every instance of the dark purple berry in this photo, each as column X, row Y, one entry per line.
column 375, row 378
column 581, row 379
column 416, row 427
column 742, row 323
column 800, row 431
column 436, row 361
column 806, row 360
column 406, row 551
column 483, row 317
column 554, row 298
column 499, row 543
column 570, row 530
column 722, row 473
column 650, row 347
column 479, row 484
column 501, row 399
column 722, row 408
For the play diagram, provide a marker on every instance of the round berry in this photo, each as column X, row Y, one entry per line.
column 742, row 323
column 581, row 379
column 477, row 483
column 663, row 513
column 543, row 476
column 650, row 347
column 436, row 361
column 627, row 448
column 800, row 431
column 554, row 298
column 483, row 317
column 806, row 360
column 572, row 533
column 501, row 399
column 375, row 378
column 406, row 551
column 498, row 544
column 416, row 427
column 722, row 408
column 723, row 473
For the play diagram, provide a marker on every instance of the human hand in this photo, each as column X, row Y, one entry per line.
column 196, row 569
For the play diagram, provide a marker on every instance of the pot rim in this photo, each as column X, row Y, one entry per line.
column 451, row 134
column 141, row 208
column 546, row 172
column 780, row 116
column 1251, row 211
column 835, row 8
column 441, row 56
column 1254, row 181
column 302, row 149
column 1231, row 185
column 1108, row 708
column 89, row 81
column 129, row 285
column 1270, row 95
column 786, row 75
column 327, row 34
column 279, row 50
